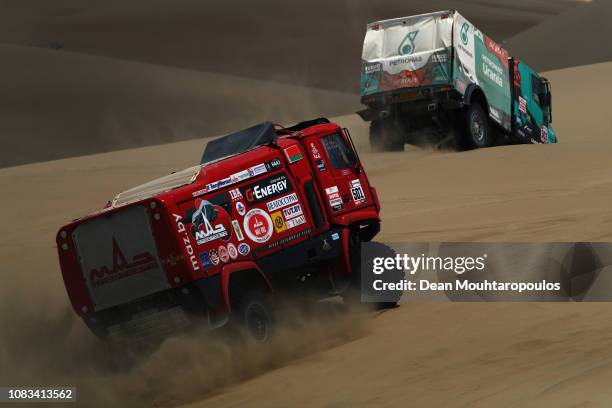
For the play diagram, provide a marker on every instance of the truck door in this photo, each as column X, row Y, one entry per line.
column 532, row 106
column 338, row 172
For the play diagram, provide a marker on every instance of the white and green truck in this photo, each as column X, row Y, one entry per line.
column 431, row 76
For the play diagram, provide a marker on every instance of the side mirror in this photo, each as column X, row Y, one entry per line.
column 353, row 150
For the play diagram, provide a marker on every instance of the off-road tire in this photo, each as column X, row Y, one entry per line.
column 478, row 132
column 385, row 136
column 251, row 312
column 359, row 288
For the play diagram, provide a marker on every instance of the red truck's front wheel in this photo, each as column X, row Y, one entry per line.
column 361, row 288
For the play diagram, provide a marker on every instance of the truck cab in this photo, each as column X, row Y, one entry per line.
column 532, row 105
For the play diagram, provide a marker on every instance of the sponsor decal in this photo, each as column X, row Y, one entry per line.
column 543, row 134
column 287, row 239
column 266, row 188
column 497, row 50
column 214, row 256
column 237, row 230
column 292, row 211
column 257, row 170
column 121, row 267
column 492, row 69
column 244, row 249
column 235, row 194
column 464, row 33
column 336, row 204
column 274, row 164
column 407, row 47
column 321, row 165
column 333, row 195
column 282, row 202
column 522, row 104
column 294, row 222
column 315, row 151
column 215, row 185
column 238, row 177
column 258, row 225
column 495, row 114
column 404, row 61
column 440, row 57
column 202, row 222
column 331, row 190
column 234, row 178
column 279, row 221
column 373, row 67
column 199, row 193
column 293, row 153
column 357, row 191
column 205, row 259
column 240, row 208
column 232, row 251
column 223, row 254
column 180, row 227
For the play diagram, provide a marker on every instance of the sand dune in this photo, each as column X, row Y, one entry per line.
column 68, row 102
column 419, row 354
column 315, row 43
column 56, row 105
column 578, row 36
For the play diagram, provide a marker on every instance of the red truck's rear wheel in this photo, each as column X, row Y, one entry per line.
column 252, row 312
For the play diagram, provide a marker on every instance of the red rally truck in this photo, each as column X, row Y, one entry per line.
column 269, row 209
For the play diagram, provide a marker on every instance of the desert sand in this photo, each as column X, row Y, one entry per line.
column 69, row 104
column 420, row 354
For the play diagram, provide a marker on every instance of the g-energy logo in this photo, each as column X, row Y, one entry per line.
column 412, row 265
column 267, row 188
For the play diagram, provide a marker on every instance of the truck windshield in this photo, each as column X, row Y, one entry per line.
column 548, row 110
column 541, row 95
column 340, row 155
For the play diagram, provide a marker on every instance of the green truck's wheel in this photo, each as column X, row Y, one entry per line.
column 478, row 129
column 385, row 136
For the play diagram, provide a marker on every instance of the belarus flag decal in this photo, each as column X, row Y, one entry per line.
column 293, row 153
